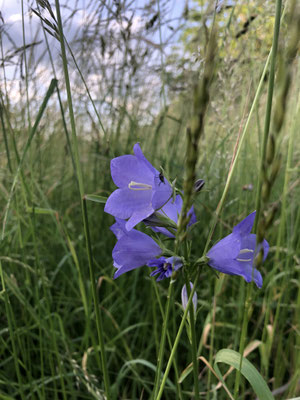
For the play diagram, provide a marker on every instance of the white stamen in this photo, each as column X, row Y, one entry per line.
column 139, row 186
column 245, row 260
column 243, row 251
column 165, row 266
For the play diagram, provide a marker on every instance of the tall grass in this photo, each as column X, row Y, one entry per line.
column 69, row 331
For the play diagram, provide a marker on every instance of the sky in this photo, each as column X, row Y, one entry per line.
column 98, row 66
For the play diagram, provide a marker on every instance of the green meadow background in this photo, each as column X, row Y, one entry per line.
column 132, row 69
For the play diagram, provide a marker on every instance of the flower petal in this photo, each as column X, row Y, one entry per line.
column 245, row 226
column 162, row 192
column 226, row 248
column 175, row 263
column 249, row 242
column 125, row 169
column 193, row 218
column 124, row 268
column 139, row 154
column 234, row 267
column 123, row 202
column 172, row 208
column 135, row 249
column 138, row 216
column 118, row 228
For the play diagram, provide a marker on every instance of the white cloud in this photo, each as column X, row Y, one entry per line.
column 14, row 18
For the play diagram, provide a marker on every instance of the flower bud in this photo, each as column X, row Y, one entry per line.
column 199, row 185
column 185, row 298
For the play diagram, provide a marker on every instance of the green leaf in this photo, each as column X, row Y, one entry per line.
column 39, row 210
column 95, row 198
column 232, row 358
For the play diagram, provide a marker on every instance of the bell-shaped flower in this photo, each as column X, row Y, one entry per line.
column 142, row 189
column 165, row 266
column 235, row 254
column 185, row 298
column 133, row 249
column 172, row 211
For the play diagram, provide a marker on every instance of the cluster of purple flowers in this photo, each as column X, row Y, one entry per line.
column 144, row 194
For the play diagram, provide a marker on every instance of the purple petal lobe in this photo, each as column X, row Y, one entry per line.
column 139, row 154
column 122, row 203
column 228, row 247
column 138, row 216
column 245, row 226
column 125, row 169
column 162, row 192
column 118, row 228
column 134, row 249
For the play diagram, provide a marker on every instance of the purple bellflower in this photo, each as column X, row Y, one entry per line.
column 185, row 298
column 164, row 266
column 235, row 254
column 171, row 210
column 133, row 249
column 142, row 189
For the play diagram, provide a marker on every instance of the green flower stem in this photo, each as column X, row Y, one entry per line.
column 168, row 337
column 193, row 337
column 248, row 299
column 83, row 203
column 176, row 342
column 163, row 338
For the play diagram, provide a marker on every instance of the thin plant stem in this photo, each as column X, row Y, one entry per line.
column 82, row 202
column 168, row 337
column 161, row 56
column 26, row 67
column 163, row 338
column 193, row 337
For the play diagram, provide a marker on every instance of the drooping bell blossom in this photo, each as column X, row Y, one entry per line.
column 235, row 254
column 171, row 210
column 164, row 266
column 133, row 249
column 185, row 298
column 141, row 188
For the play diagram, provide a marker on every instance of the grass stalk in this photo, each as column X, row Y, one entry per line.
column 75, row 149
column 163, row 339
column 193, row 339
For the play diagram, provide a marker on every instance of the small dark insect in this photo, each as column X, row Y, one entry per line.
column 199, row 185
column 161, row 178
